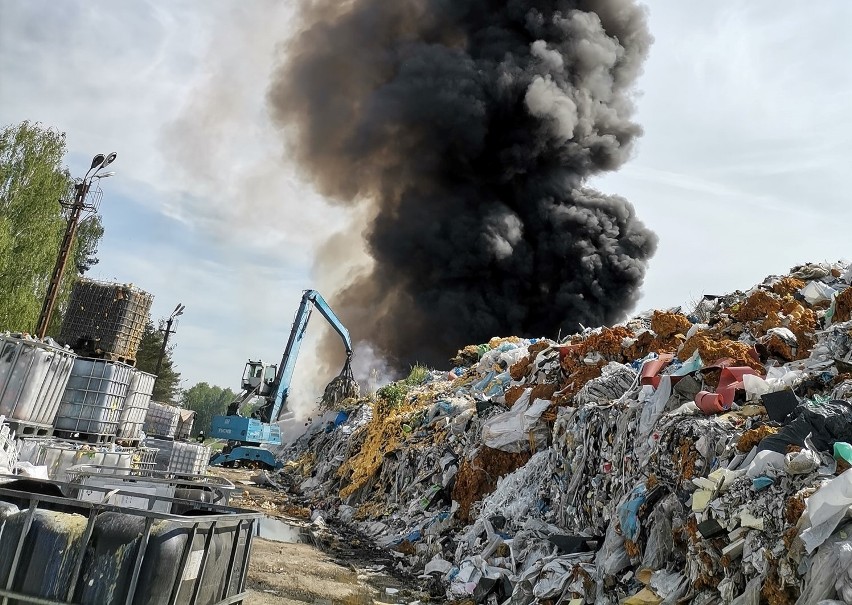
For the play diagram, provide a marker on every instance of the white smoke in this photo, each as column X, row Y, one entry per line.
column 545, row 99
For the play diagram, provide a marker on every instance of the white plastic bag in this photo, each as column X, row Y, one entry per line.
column 829, row 574
column 825, row 510
column 816, row 291
column 654, row 407
column 512, row 430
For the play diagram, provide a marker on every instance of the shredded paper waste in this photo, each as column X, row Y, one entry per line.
column 698, row 456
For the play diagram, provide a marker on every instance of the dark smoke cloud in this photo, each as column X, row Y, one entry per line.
column 469, row 129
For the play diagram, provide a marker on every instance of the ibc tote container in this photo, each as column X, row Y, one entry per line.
column 59, row 456
column 135, row 406
column 8, row 449
column 180, row 458
column 189, row 458
column 92, row 400
column 106, row 319
column 163, row 449
column 161, row 420
column 62, row 550
column 33, row 377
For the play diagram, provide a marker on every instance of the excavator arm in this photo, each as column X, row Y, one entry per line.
column 310, row 298
column 236, row 404
column 246, row 436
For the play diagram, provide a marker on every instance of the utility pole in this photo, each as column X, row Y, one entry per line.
column 166, row 333
column 76, row 208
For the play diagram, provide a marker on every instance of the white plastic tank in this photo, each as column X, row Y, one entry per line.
column 33, row 377
column 180, row 458
column 94, row 397
column 59, row 456
column 162, row 420
column 135, row 406
column 189, row 458
column 8, row 449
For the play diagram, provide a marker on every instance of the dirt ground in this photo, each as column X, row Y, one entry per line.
column 335, row 567
column 290, row 574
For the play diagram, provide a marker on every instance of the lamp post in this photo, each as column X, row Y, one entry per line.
column 76, row 208
column 167, row 332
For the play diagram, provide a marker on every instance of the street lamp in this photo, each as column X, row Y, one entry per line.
column 76, row 208
column 168, row 331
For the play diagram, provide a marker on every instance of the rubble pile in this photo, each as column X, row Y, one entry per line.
column 700, row 457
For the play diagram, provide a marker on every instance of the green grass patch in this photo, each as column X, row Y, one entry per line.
column 393, row 394
column 417, row 375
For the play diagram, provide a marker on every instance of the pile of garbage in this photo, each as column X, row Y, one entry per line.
column 699, row 457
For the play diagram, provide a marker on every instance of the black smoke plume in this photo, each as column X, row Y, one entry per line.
column 469, row 128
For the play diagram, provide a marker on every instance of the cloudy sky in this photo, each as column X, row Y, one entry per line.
column 742, row 171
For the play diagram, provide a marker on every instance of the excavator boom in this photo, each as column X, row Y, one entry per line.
column 244, row 435
column 294, row 344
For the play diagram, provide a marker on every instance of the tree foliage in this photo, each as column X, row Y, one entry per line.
column 89, row 235
column 167, row 385
column 32, row 224
column 207, row 401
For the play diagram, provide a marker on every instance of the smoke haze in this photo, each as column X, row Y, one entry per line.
column 464, row 132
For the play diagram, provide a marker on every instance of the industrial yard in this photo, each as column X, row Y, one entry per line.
column 494, row 480
column 425, row 302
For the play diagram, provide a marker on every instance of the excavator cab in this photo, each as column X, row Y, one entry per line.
column 259, row 377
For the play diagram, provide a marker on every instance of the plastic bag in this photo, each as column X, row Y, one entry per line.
column 693, row 364
column 816, row 291
column 612, row 557
column 801, row 462
column 654, row 407
column 659, row 544
column 670, row 585
column 751, row 594
column 825, row 510
column 513, row 430
column 628, row 513
column 829, row 574
column 755, row 387
column 843, row 450
column 826, row 423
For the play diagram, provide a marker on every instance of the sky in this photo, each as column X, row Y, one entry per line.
column 742, row 170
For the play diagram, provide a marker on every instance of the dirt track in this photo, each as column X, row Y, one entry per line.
column 299, row 573
column 339, row 568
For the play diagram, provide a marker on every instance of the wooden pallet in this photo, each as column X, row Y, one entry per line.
column 90, row 350
column 127, row 442
column 117, row 358
column 93, row 438
column 161, row 437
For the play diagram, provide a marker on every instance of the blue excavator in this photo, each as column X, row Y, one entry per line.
column 270, row 384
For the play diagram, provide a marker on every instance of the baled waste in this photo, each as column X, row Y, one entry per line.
column 679, row 457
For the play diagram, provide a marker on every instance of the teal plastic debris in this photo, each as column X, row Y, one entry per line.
column 843, row 451
column 628, row 514
column 762, row 482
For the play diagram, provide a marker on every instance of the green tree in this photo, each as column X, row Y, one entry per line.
column 207, row 401
column 32, row 222
column 167, row 385
column 89, row 235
